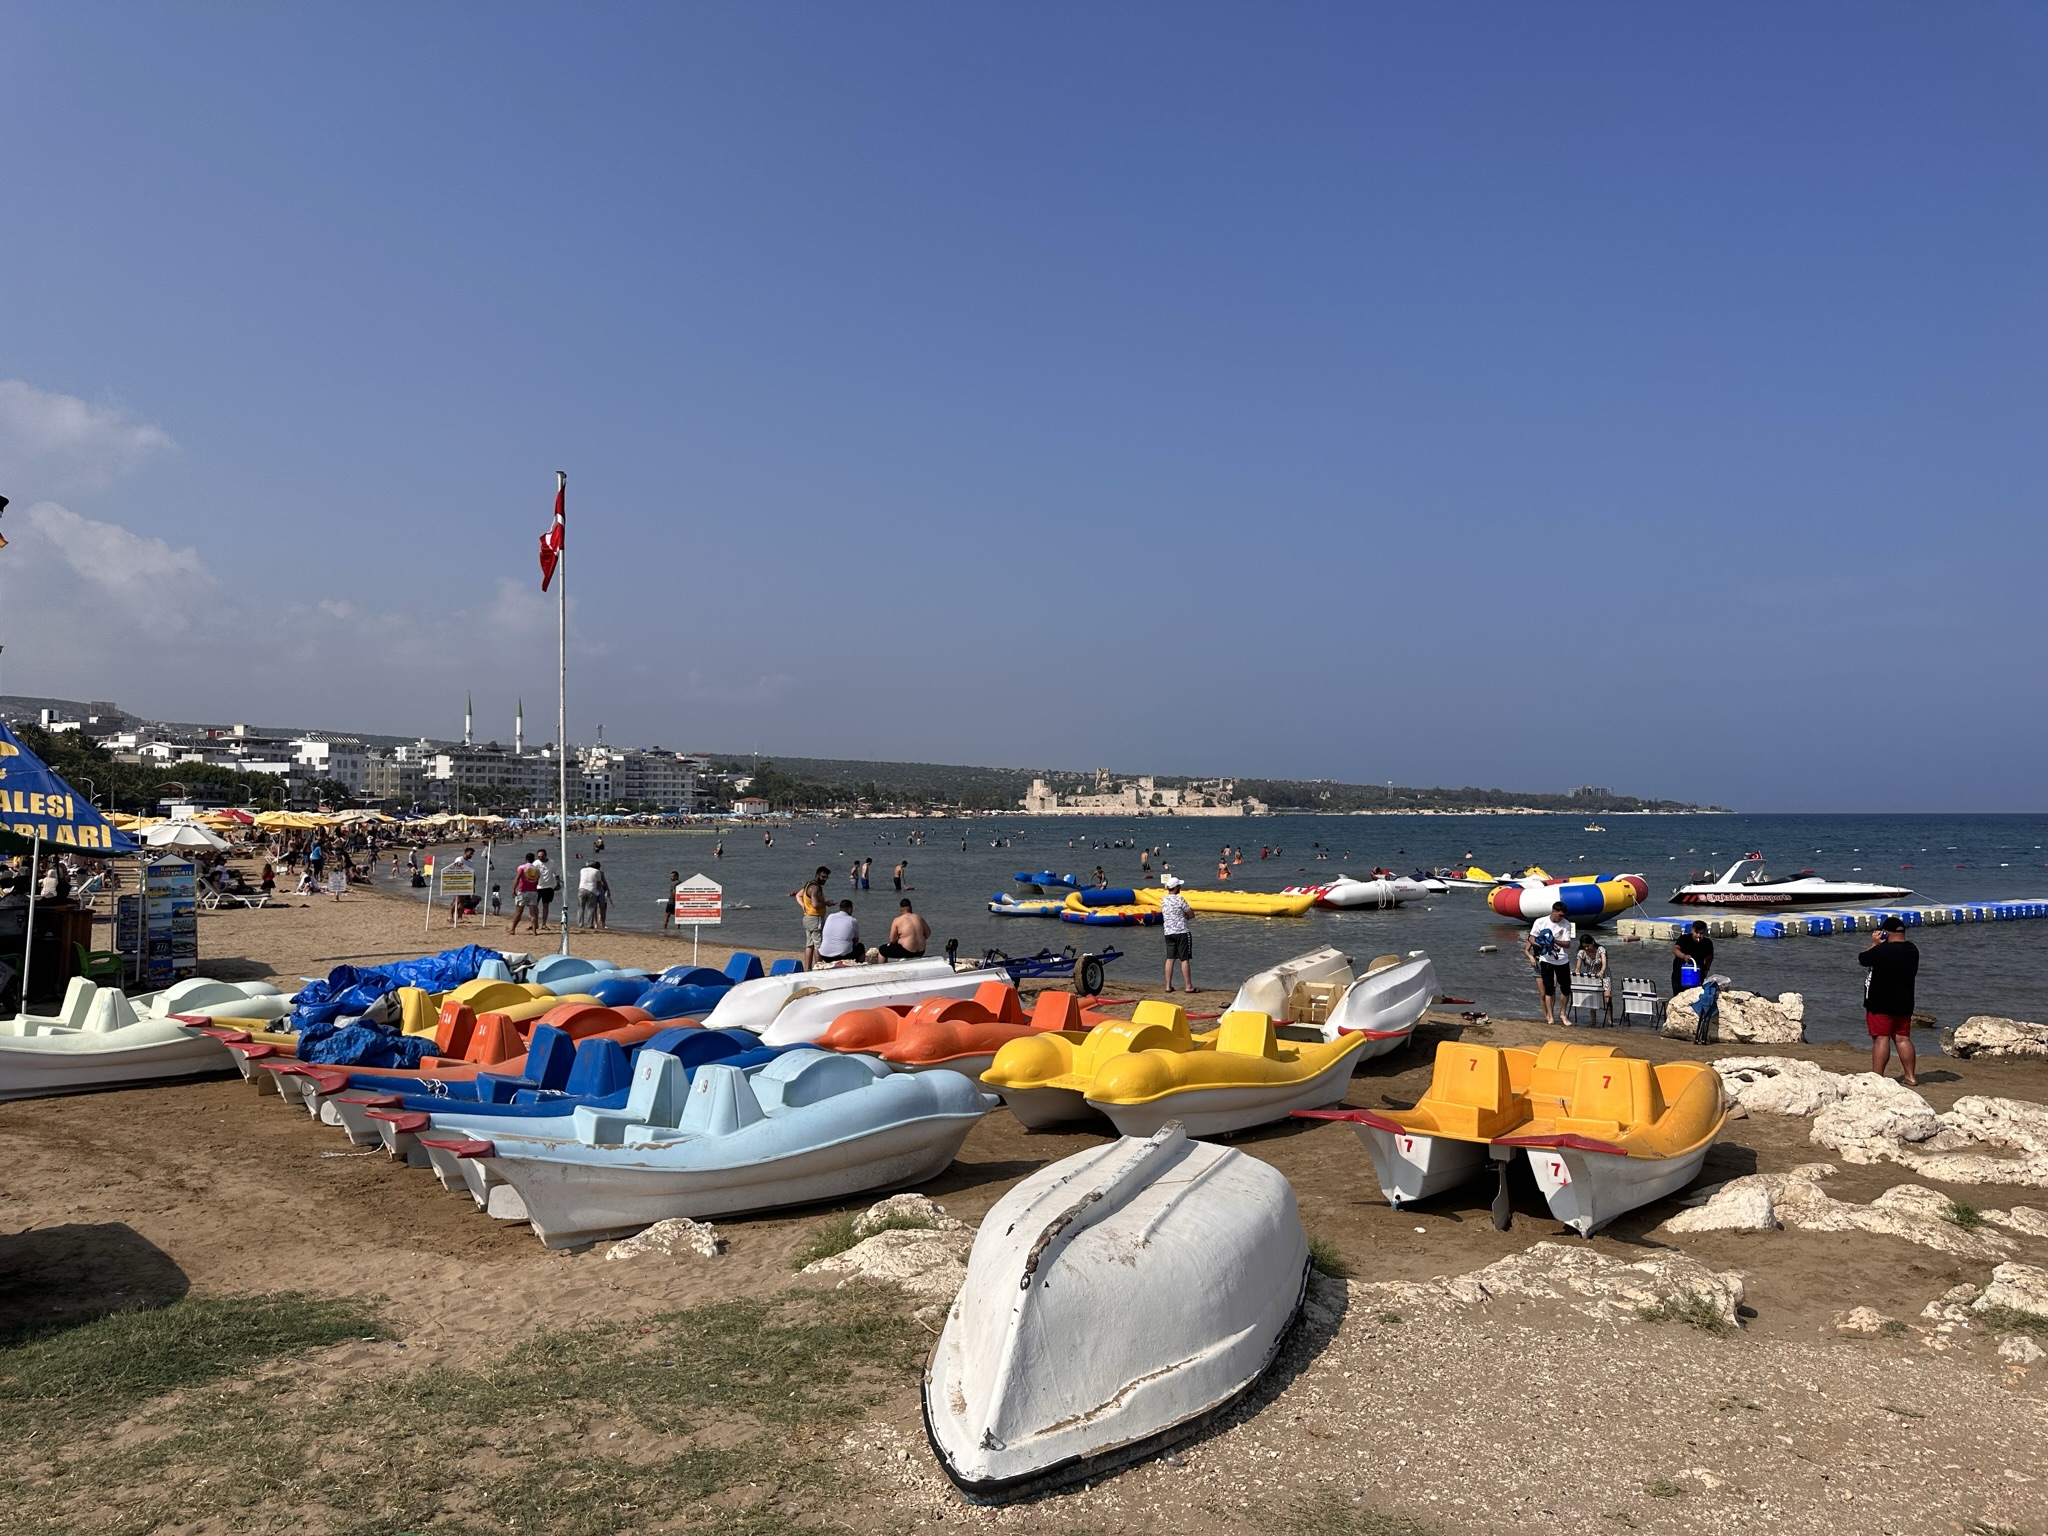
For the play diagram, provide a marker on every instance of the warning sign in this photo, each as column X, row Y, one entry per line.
column 699, row 900
column 458, row 882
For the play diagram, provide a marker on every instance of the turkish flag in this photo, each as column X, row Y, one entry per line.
column 551, row 541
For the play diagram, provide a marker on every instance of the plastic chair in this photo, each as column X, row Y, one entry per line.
column 1588, row 998
column 1638, row 1000
column 101, row 965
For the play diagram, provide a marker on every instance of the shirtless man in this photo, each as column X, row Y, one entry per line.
column 908, row 935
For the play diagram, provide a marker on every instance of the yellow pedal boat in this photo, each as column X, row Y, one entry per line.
column 1151, row 1070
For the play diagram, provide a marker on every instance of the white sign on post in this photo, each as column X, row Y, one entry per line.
column 698, row 901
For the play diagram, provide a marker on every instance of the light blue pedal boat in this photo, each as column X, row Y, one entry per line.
column 809, row 1125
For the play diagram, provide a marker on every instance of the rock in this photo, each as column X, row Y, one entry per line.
column 1740, row 1205
column 1874, row 1118
column 1976, row 1120
column 928, row 1263
column 2021, row 1218
column 1595, row 1284
column 2020, row 1349
column 2016, row 1288
column 676, row 1236
column 1866, row 1320
column 904, row 1211
column 1988, row 1035
column 1745, row 1018
column 1780, row 1085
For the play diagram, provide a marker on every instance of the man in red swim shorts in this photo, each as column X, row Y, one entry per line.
column 1893, row 961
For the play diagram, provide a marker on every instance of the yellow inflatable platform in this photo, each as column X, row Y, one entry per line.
column 1234, row 903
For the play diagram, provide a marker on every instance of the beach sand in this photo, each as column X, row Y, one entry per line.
column 209, row 1185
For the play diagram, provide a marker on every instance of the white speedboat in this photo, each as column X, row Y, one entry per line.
column 109, row 1047
column 1804, row 889
column 1115, row 1302
column 754, row 1004
column 806, row 1016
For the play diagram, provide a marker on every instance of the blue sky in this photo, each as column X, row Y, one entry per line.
column 1480, row 394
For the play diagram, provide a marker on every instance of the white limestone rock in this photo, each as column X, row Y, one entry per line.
column 1740, row 1205
column 904, row 1211
column 2017, row 1288
column 1866, row 1320
column 928, row 1263
column 1988, row 1035
column 2021, row 1218
column 1977, row 1120
column 1744, row 1018
column 2020, row 1349
column 1780, row 1085
column 1593, row 1283
column 673, row 1238
column 1874, row 1118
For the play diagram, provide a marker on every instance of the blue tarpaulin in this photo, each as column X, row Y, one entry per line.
column 349, row 989
column 360, row 1044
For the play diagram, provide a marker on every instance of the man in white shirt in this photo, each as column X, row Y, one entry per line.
column 1173, row 922
column 1549, row 949
column 591, row 893
column 841, row 938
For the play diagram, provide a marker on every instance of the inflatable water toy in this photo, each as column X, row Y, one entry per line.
column 108, row 1047
column 805, row 1017
column 1235, row 903
column 1476, row 1093
column 963, row 1035
column 1003, row 904
column 1585, row 901
column 1045, row 877
column 1133, row 916
column 1346, row 892
column 1114, row 1302
column 810, row 1125
column 1629, row 1133
column 1146, row 1070
column 754, row 1004
column 1319, row 995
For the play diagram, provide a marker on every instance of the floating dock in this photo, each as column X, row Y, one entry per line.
column 1788, row 925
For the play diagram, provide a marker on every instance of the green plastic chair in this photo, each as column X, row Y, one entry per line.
column 101, row 965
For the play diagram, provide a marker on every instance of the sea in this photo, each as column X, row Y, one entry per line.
column 956, row 866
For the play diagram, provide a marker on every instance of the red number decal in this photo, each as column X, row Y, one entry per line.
column 1608, row 1079
column 1472, row 1064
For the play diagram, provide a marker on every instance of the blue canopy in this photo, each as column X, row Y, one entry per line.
column 35, row 803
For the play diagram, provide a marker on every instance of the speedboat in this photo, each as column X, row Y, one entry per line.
column 1805, row 889
column 809, row 1125
column 106, row 1047
column 1147, row 1070
column 1319, row 995
column 1115, row 1302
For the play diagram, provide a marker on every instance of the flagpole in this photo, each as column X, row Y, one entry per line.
column 28, row 942
column 562, row 705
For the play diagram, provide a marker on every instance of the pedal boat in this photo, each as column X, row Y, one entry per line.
column 1115, row 1302
column 810, row 1125
column 1629, row 1134
column 1476, row 1093
column 1148, row 1070
column 107, row 1047
column 956, row 1034
column 754, row 1004
column 806, row 1016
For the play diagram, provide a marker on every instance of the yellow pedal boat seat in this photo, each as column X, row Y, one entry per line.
column 1054, row 1061
column 1471, row 1096
column 1553, row 1071
column 1628, row 1105
column 1244, row 1052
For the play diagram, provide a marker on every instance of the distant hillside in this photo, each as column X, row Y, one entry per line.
column 802, row 783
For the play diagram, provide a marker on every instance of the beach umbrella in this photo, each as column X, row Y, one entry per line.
column 239, row 817
column 183, row 834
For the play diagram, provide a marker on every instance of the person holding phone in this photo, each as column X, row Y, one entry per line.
column 1891, row 963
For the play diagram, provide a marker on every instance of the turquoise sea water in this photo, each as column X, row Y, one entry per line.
column 1997, row 968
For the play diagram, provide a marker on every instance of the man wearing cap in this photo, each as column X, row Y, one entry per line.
column 1173, row 922
column 1891, row 962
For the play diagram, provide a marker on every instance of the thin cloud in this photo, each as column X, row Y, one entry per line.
column 51, row 443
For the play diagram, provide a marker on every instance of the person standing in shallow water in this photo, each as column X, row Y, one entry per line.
column 1891, row 962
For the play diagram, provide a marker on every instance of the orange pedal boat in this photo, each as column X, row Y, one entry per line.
column 960, row 1034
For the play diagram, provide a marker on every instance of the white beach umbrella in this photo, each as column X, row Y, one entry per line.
column 182, row 834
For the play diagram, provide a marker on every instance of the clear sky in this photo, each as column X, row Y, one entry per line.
column 1534, row 395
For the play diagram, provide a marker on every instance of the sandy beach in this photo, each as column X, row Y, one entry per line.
column 1456, row 1418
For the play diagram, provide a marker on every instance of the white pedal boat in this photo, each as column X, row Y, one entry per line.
column 1115, row 1301
column 1267, row 991
column 1411, row 1166
column 1588, row 1185
column 807, row 1126
column 754, row 1004
column 204, row 997
column 109, row 1048
column 1321, row 993
column 805, row 1017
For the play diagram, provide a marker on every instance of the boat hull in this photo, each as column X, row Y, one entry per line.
column 1587, row 1190
column 1385, row 1006
column 42, row 1066
column 1219, row 1110
column 1115, row 1302
column 753, row 1005
column 1412, row 1167
column 1767, row 896
column 803, row 1019
column 571, row 1203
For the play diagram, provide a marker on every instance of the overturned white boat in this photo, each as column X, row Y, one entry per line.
column 754, row 1004
column 96, row 1041
column 1115, row 1301
column 1320, row 995
column 807, row 1015
column 204, row 997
